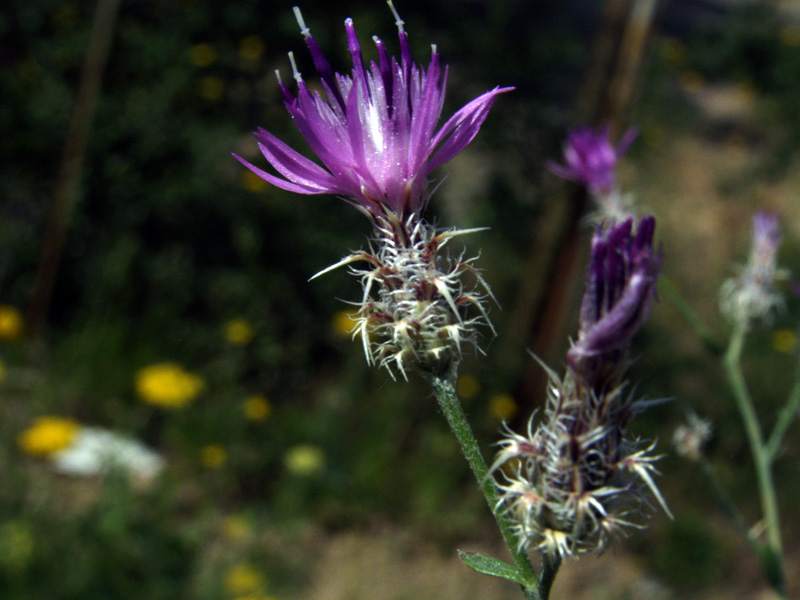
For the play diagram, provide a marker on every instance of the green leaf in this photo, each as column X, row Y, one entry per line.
column 491, row 566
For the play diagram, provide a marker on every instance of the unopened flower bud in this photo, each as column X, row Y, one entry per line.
column 620, row 286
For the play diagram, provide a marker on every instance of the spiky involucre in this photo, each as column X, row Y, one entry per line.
column 416, row 311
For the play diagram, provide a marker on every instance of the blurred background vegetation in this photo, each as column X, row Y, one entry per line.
column 181, row 315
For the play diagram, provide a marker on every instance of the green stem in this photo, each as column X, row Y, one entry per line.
column 550, row 565
column 451, row 407
column 766, row 485
column 785, row 418
column 727, row 504
column 668, row 290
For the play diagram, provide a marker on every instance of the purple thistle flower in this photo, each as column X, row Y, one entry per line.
column 623, row 269
column 375, row 130
column 590, row 158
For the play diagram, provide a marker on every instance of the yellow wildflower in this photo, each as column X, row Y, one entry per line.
column 468, row 387
column 304, row 460
column 11, row 323
column 243, row 579
column 502, row 407
column 211, row 87
column 213, row 456
column 238, row 332
column 236, row 528
column 343, row 323
column 784, row 340
column 203, row 55
column 251, row 48
column 790, row 35
column 167, row 385
column 673, row 50
column 47, row 436
column 252, row 182
column 257, row 408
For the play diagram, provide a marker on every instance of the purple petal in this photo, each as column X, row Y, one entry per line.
column 464, row 126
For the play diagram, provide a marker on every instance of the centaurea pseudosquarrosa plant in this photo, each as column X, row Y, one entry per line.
column 375, row 132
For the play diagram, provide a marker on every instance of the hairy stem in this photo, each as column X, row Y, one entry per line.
column 451, row 407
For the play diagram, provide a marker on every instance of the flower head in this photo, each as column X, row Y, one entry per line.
column 751, row 296
column 48, row 435
column 620, row 287
column 12, row 324
column 167, row 385
column 590, row 158
column 374, row 131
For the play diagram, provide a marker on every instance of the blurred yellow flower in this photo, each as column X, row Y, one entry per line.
column 203, row 55
column 343, row 323
column 211, row 87
column 790, row 35
column 251, row 48
column 243, row 579
column 213, row 456
column 502, row 407
column 784, row 340
column 252, row 182
column 673, row 50
column 467, row 387
column 11, row 323
column 239, row 332
column 257, row 408
column 167, row 385
column 236, row 528
column 47, row 436
column 304, row 460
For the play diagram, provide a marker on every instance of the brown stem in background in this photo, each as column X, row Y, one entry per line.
column 71, row 168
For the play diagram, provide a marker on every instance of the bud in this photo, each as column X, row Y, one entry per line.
column 577, row 478
column 591, row 160
column 620, row 287
column 751, row 295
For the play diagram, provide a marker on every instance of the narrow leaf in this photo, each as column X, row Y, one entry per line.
column 491, row 566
